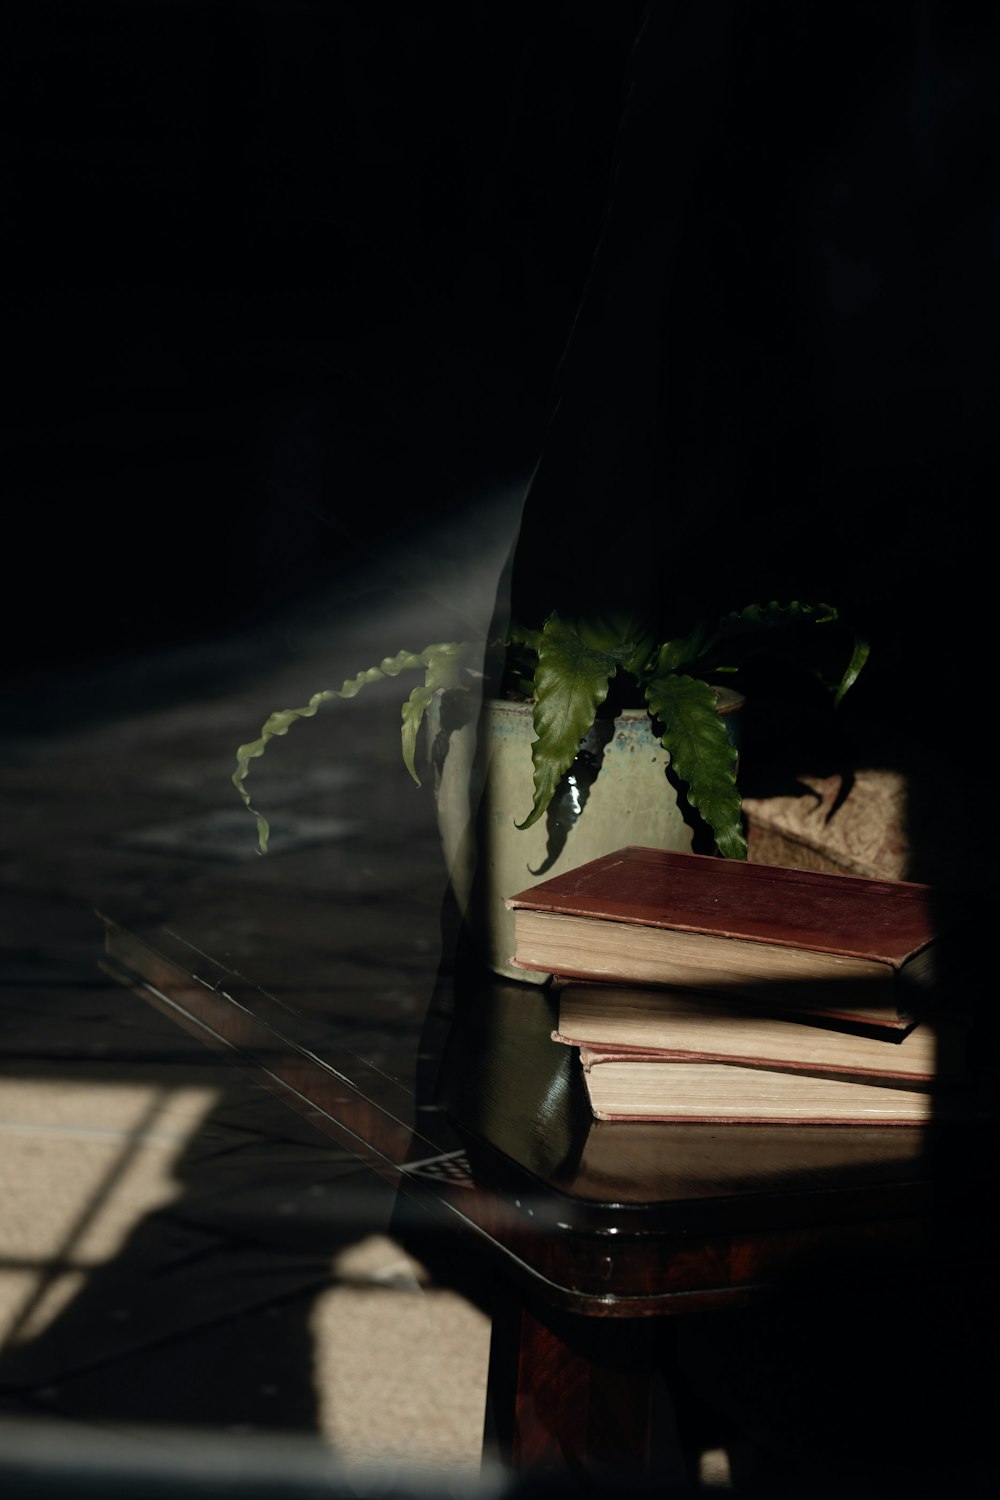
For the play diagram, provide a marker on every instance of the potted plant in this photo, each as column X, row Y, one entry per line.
column 577, row 689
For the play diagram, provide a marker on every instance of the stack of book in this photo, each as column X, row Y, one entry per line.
column 703, row 989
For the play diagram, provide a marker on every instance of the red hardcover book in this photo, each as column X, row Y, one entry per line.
column 843, row 947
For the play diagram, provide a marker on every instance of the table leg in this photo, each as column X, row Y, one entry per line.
column 577, row 1393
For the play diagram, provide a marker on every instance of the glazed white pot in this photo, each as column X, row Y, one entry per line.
column 483, row 781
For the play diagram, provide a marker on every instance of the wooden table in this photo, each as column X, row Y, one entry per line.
column 597, row 1231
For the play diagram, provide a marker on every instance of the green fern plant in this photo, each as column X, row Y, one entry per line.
column 567, row 667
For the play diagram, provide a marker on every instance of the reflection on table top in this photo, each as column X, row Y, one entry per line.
column 466, row 1103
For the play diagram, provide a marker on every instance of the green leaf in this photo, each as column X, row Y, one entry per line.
column 445, row 665
column 521, row 635
column 442, row 664
column 702, row 755
column 571, row 682
column 619, row 633
column 751, row 620
column 687, row 648
column 858, row 658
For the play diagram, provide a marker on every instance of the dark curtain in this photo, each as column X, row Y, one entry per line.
column 782, row 379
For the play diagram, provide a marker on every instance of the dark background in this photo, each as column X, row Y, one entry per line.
column 286, row 279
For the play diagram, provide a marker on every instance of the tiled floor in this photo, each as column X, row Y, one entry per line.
column 175, row 1248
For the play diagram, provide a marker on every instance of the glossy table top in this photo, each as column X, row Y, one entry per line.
column 466, row 1103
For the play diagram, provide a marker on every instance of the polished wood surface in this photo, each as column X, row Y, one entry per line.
column 472, row 1109
column 594, row 1231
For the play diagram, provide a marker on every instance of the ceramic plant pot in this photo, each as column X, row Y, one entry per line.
column 483, row 780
